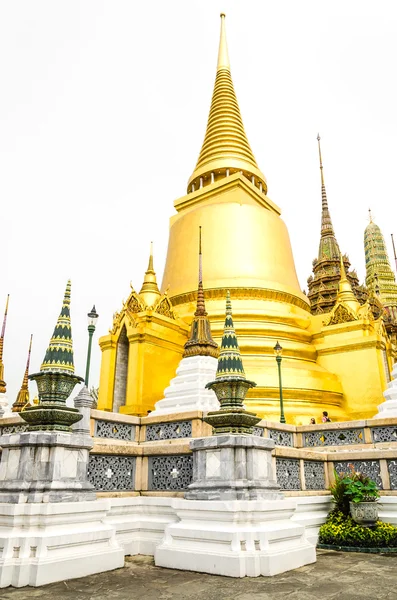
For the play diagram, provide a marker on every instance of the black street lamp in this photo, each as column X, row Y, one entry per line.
column 92, row 319
column 278, row 352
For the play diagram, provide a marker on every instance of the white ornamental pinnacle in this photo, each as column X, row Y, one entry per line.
column 187, row 391
column 388, row 408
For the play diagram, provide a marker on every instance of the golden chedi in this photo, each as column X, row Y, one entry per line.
column 247, row 250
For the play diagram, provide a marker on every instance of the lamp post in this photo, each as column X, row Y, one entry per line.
column 92, row 319
column 278, row 352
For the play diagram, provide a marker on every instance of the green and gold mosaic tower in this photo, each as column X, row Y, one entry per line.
column 380, row 278
column 231, row 385
column 56, row 379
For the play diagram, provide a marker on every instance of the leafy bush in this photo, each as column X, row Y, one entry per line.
column 338, row 491
column 360, row 488
column 341, row 530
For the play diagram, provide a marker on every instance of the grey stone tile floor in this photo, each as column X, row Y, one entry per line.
column 346, row 576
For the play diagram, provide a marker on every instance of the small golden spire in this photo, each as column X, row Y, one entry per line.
column 200, row 308
column 22, row 400
column 370, row 215
column 150, row 292
column 345, row 293
column 225, row 149
column 3, row 385
column 200, row 342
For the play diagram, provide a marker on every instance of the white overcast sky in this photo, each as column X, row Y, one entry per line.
column 103, row 108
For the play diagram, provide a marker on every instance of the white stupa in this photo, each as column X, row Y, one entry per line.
column 187, row 391
column 388, row 408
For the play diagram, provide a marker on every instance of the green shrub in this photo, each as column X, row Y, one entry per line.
column 360, row 488
column 338, row 491
column 341, row 530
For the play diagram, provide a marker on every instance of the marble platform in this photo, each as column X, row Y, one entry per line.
column 43, row 543
column 235, row 538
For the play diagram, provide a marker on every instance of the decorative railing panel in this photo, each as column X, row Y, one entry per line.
column 288, row 473
column 110, row 473
column 172, row 472
column 168, row 431
column 258, row 431
column 281, row 438
column 314, row 474
column 115, row 431
column 7, row 429
column 333, row 437
column 384, row 434
column 371, row 468
column 392, row 468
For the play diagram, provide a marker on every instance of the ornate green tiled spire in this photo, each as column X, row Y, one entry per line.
column 229, row 361
column 380, row 278
column 59, row 355
column 55, row 380
column 230, row 385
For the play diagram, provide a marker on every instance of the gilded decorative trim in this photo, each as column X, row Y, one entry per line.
column 243, row 294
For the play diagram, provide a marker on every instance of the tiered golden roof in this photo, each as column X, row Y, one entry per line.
column 225, row 149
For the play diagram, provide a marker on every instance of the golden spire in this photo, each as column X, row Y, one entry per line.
column 3, row 384
column 22, row 400
column 225, row 148
column 150, row 292
column 345, row 293
column 200, row 342
column 326, row 223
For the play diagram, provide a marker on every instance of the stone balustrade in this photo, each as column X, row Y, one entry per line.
column 151, row 455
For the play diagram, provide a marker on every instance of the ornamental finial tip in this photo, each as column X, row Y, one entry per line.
column 223, row 15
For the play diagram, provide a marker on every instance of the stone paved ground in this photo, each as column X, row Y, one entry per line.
column 349, row 576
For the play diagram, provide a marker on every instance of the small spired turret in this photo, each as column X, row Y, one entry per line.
column 22, row 401
column 231, row 385
column 324, row 283
column 56, row 379
column 187, row 390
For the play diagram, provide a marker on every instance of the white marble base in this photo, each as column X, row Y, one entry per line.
column 312, row 511
column 235, row 539
column 388, row 408
column 140, row 522
column 186, row 391
column 43, row 543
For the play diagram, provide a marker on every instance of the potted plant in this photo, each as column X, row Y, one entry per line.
column 363, row 494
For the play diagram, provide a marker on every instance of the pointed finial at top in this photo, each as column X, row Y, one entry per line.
column 150, row 265
column 3, row 329
column 200, row 308
column 223, row 55
column 370, row 215
column 150, row 292
column 321, row 160
column 228, row 303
